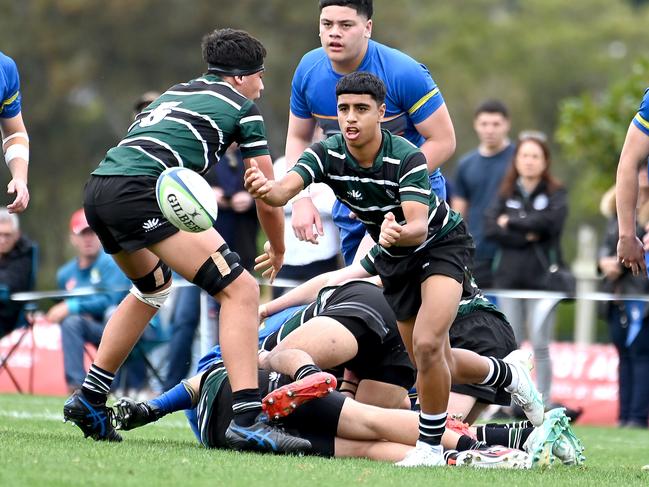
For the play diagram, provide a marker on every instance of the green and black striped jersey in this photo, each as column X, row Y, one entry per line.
column 190, row 125
column 474, row 300
column 399, row 173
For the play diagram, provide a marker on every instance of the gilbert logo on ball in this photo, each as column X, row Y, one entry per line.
column 186, row 199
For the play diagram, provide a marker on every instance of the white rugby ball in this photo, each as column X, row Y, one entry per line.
column 186, row 199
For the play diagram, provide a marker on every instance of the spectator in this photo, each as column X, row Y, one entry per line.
column 627, row 320
column 303, row 260
column 478, row 177
column 527, row 221
column 16, row 268
column 15, row 141
column 82, row 318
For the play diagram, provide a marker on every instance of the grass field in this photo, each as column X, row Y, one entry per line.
column 36, row 449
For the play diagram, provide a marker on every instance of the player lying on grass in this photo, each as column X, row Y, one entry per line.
column 341, row 427
column 479, row 327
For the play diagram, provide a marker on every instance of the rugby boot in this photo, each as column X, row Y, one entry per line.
column 97, row 421
column 284, row 400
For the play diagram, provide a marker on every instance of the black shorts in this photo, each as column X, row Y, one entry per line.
column 124, row 213
column 402, row 277
column 489, row 335
column 316, row 420
column 361, row 308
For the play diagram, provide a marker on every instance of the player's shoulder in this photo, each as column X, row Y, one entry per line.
column 401, row 146
column 313, row 62
column 6, row 63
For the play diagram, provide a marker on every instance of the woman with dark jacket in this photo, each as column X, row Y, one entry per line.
column 527, row 221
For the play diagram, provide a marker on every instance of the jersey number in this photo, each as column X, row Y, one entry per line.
column 158, row 113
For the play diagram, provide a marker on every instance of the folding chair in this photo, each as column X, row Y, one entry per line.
column 27, row 324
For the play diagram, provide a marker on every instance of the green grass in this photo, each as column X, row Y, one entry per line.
column 37, row 449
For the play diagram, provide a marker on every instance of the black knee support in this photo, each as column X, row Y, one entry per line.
column 154, row 280
column 219, row 270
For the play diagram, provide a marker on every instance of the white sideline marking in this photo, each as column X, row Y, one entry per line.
column 51, row 416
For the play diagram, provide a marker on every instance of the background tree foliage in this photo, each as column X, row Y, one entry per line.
column 84, row 62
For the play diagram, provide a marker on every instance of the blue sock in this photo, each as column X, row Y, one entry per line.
column 175, row 399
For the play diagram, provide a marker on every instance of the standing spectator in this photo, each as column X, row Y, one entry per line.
column 478, row 178
column 415, row 107
column 16, row 268
column 82, row 318
column 627, row 320
column 630, row 249
column 527, row 221
column 15, row 141
column 304, row 261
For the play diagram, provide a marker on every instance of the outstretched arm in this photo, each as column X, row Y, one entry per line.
column 273, row 193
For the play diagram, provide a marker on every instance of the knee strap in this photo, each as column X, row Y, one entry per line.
column 219, row 270
column 147, row 288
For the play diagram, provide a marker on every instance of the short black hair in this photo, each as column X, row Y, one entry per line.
column 233, row 49
column 492, row 106
column 362, row 7
column 362, row 83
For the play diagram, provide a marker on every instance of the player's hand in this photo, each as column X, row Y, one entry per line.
column 21, row 201
column 630, row 253
column 303, row 220
column 57, row 312
column 390, row 231
column 255, row 182
column 269, row 263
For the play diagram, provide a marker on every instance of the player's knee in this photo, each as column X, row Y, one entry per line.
column 428, row 349
column 220, row 270
column 153, row 289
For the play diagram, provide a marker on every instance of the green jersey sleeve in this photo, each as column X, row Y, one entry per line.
column 311, row 164
column 252, row 132
column 414, row 184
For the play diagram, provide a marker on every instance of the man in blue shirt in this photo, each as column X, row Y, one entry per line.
column 82, row 318
column 15, row 141
column 630, row 249
column 478, row 179
column 415, row 108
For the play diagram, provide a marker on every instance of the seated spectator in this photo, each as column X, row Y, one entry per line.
column 628, row 321
column 16, row 268
column 82, row 318
column 527, row 221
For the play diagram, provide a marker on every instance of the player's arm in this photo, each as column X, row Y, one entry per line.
column 308, row 291
column 410, row 234
column 15, row 146
column 635, row 149
column 304, row 215
column 270, row 218
column 460, row 205
column 439, row 133
column 271, row 192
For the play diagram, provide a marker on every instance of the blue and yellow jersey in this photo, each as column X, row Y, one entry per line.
column 9, row 87
column 641, row 120
column 412, row 95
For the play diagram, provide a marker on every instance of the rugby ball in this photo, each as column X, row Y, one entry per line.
column 186, row 199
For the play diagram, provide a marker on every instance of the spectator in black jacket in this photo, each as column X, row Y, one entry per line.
column 16, row 272
column 527, row 221
column 628, row 320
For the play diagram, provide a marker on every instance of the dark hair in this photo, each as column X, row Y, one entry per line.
column 362, row 83
column 362, row 7
column 511, row 176
column 492, row 106
column 233, row 52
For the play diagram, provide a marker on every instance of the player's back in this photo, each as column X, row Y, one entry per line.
column 190, row 125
